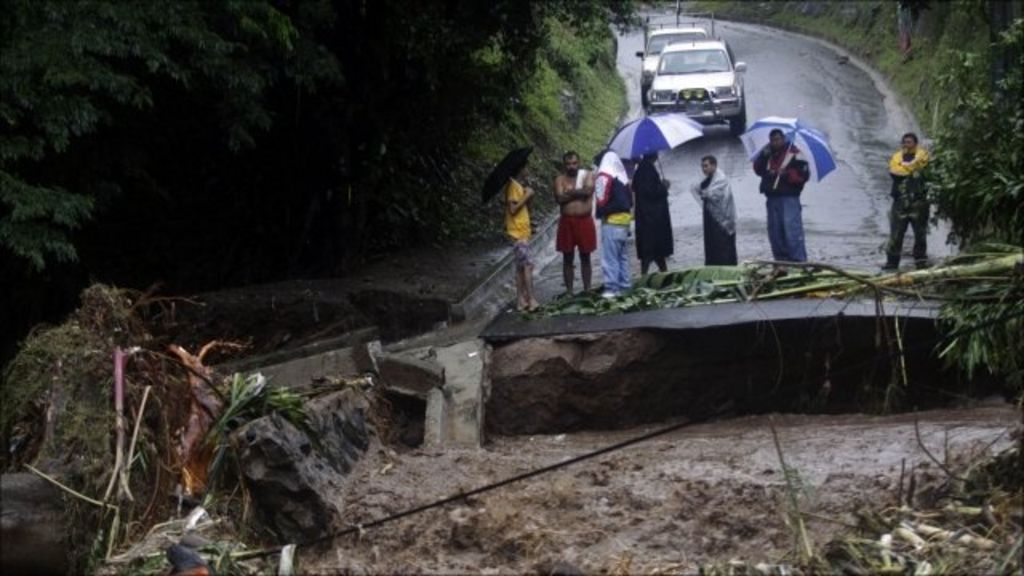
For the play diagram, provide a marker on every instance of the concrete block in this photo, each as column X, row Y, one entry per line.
column 302, row 372
column 461, row 423
column 407, row 374
column 434, row 422
column 365, row 356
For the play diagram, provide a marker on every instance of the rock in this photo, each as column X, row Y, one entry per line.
column 570, row 107
column 32, row 526
column 536, row 356
column 545, row 385
column 295, row 480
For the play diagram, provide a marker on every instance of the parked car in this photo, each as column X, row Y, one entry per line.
column 703, row 80
column 655, row 41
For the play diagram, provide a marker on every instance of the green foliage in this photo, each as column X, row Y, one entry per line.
column 325, row 129
column 249, row 398
column 979, row 156
column 39, row 219
column 702, row 285
column 69, row 69
column 987, row 325
column 570, row 98
column 979, row 186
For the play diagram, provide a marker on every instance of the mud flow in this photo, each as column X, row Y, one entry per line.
column 706, row 493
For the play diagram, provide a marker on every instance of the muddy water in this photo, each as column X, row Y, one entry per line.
column 709, row 492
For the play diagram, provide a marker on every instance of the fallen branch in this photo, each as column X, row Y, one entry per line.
column 135, row 434
column 794, row 504
column 917, row 433
column 115, row 474
column 78, row 495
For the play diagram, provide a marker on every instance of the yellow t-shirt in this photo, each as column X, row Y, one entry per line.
column 516, row 225
column 604, row 187
column 619, row 219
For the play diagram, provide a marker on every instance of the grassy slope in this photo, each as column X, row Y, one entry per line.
column 574, row 100
column 868, row 29
column 571, row 68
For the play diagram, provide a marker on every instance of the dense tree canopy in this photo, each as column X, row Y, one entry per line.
column 209, row 144
column 257, row 116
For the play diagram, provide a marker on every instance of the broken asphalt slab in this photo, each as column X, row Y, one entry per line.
column 514, row 326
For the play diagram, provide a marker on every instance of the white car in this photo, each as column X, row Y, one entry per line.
column 656, row 40
column 702, row 80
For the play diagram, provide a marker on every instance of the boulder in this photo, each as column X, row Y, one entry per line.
column 295, row 479
column 32, row 526
column 540, row 385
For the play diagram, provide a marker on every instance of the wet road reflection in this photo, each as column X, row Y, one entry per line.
column 845, row 215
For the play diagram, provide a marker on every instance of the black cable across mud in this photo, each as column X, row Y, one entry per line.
column 359, row 528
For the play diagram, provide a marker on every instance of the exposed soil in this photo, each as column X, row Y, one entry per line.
column 402, row 295
column 707, row 493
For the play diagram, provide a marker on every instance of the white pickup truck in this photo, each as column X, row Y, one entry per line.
column 704, row 81
column 655, row 40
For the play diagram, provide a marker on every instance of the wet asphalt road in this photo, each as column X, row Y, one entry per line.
column 845, row 215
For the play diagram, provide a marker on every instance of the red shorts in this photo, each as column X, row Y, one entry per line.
column 576, row 232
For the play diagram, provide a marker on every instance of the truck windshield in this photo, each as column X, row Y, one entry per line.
column 658, row 43
column 693, row 61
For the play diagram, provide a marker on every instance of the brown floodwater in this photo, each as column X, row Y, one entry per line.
column 708, row 492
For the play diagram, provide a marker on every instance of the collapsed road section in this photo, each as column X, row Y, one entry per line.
column 578, row 372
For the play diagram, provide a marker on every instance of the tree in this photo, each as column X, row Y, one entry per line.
column 979, row 186
column 70, row 69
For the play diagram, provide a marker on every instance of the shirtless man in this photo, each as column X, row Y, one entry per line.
column 576, row 230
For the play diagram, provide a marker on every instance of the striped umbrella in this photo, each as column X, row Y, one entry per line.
column 654, row 133
column 812, row 143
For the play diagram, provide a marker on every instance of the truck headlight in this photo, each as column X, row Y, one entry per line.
column 725, row 91
column 661, row 95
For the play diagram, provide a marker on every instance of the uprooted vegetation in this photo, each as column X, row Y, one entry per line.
column 965, row 518
column 136, row 430
column 981, row 292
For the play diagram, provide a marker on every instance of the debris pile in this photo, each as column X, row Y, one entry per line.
column 971, row 275
column 968, row 517
column 144, row 446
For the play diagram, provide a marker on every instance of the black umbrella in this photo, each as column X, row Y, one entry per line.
column 509, row 166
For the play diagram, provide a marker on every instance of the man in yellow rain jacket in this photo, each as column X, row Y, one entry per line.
column 909, row 202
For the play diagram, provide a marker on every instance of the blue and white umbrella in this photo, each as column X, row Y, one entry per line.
column 652, row 134
column 812, row 143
